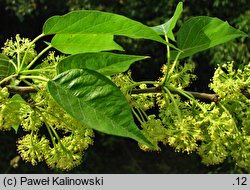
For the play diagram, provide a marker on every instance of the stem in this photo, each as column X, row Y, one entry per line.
column 137, row 116
column 174, row 102
column 172, row 68
column 26, row 52
column 50, row 130
column 168, row 51
column 50, row 133
column 142, row 82
column 39, row 55
column 188, row 96
column 56, row 135
column 43, row 110
column 14, row 65
column 34, row 77
column 7, row 78
column 34, row 71
column 31, row 84
column 144, row 113
column 168, row 59
column 47, row 126
column 32, row 134
column 21, row 89
column 200, row 95
column 59, row 141
column 226, row 110
column 140, row 111
column 18, row 54
column 147, row 90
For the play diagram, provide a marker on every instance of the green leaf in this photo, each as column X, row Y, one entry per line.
column 167, row 28
column 201, row 33
column 6, row 68
column 103, row 62
column 96, row 22
column 81, row 43
column 96, row 102
column 14, row 106
column 15, row 127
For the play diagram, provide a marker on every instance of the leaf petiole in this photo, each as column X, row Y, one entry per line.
column 34, row 78
column 27, row 50
column 169, row 72
column 165, row 89
column 37, row 71
column 7, row 79
column 38, row 56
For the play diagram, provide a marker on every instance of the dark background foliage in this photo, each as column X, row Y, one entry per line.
column 113, row 154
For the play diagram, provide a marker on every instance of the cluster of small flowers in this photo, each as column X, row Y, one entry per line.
column 35, row 112
column 233, row 87
column 9, row 110
column 154, row 130
column 212, row 134
column 144, row 101
column 50, row 62
column 215, row 132
column 19, row 46
column 219, row 131
column 67, row 150
column 66, row 154
column 182, row 75
column 183, row 132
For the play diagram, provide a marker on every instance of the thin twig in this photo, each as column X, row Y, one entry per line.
column 21, row 89
column 200, row 95
column 207, row 96
column 146, row 90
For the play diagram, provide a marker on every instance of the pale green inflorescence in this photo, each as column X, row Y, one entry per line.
column 66, row 140
column 215, row 131
column 18, row 46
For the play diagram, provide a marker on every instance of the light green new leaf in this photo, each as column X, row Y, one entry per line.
column 6, row 68
column 81, row 43
column 103, row 62
column 167, row 28
column 96, row 102
column 97, row 22
column 201, row 33
column 14, row 106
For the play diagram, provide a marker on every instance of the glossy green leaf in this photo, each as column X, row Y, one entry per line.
column 103, row 62
column 96, row 102
column 201, row 33
column 6, row 68
column 81, row 43
column 96, row 22
column 167, row 28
